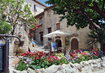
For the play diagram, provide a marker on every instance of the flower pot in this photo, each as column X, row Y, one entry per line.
column 19, row 50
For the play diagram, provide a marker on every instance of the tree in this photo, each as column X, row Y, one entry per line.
column 4, row 27
column 13, row 12
column 81, row 12
column 97, row 36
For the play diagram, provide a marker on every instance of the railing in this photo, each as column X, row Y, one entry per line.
column 5, row 52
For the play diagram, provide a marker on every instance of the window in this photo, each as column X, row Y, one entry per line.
column 40, row 20
column 34, row 8
column 57, row 26
column 49, row 31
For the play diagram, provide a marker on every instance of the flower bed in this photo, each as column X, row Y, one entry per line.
column 39, row 60
column 77, row 56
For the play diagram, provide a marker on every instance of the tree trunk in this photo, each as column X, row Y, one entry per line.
column 102, row 48
column 12, row 32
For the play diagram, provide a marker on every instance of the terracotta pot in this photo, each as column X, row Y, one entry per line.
column 19, row 50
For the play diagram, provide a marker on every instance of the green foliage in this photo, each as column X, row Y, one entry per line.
column 13, row 12
column 98, row 35
column 4, row 27
column 80, row 12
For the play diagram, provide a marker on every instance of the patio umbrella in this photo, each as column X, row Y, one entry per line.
column 56, row 33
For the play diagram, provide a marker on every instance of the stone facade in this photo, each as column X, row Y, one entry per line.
column 50, row 19
column 40, row 30
column 39, row 7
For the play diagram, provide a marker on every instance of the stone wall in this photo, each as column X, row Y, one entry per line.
column 91, row 66
column 19, row 31
column 50, row 20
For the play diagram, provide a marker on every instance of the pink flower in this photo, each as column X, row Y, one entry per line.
column 28, row 52
column 75, row 55
column 89, row 57
column 53, row 62
column 84, row 53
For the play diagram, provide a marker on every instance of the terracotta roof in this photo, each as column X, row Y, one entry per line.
column 42, row 13
column 39, row 3
column 49, row 7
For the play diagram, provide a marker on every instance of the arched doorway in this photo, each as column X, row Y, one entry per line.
column 74, row 44
column 59, row 44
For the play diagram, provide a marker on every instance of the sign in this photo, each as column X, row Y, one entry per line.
column 1, row 58
column 53, row 46
column 67, row 40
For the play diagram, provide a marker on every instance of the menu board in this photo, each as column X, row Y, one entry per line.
column 53, row 46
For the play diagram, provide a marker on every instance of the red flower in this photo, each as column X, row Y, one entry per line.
column 53, row 62
column 89, row 57
column 28, row 52
column 71, row 59
column 36, row 26
column 17, row 56
column 97, row 54
column 95, row 49
column 77, row 51
column 23, row 54
column 34, row 54
column 37, row 57
column 49, row 60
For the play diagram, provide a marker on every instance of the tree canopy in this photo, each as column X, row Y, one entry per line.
column 4, row 27
column 81, row 12
column 15, row 13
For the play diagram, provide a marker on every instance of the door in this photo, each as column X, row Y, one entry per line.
column 41, row 37
column 74, row 44
column 59, row 44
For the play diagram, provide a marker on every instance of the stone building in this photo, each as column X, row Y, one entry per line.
column 50, row 22
column 36, row 7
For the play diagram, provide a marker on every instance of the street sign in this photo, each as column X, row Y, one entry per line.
column 2, row 45
column 1, row 62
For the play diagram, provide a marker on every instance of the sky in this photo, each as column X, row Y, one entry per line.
column 43, row 2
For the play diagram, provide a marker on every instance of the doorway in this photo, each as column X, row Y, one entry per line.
column 59, row 45
column 74, row 44
column 41, row 38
